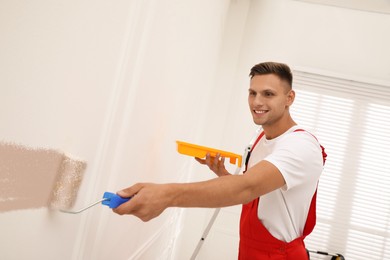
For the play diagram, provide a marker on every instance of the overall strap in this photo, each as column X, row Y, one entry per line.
column 311, row 216
column 251, row 149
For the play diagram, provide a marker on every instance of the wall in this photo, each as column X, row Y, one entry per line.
column 114, row 83
column 55, row 93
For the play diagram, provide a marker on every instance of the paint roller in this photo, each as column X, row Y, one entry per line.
column 67, row 185
column 109, row 199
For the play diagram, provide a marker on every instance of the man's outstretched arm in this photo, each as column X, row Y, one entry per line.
column 149, row 200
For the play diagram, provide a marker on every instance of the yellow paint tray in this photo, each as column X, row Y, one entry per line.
column 201, row 151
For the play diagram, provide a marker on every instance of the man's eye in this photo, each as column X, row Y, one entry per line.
column 252, row 93
column 268, row 94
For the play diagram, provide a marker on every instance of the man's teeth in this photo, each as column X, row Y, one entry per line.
column 260, row 111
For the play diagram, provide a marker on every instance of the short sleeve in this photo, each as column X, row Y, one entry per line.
column 298, row 157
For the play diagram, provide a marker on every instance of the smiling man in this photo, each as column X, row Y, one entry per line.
column 278, row 189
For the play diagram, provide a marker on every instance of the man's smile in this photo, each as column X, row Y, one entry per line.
column 260, row 111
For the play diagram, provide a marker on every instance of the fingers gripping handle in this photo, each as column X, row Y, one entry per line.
column 112, row 200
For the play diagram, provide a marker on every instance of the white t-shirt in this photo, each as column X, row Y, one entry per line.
column 298, row 156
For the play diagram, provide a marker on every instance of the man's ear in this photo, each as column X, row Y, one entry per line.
column 290, row 97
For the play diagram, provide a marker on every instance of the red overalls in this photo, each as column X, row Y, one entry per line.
column 256, row 242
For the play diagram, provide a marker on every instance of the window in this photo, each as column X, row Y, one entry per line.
column 352, row 121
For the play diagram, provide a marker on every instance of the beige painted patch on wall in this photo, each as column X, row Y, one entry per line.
column 35, row 178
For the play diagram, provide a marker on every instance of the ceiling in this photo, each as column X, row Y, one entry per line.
column 379, row 6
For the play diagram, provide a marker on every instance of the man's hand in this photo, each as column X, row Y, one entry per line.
column 148, row 200
column 216, row 164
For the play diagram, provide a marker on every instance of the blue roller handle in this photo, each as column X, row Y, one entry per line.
column 113, row 200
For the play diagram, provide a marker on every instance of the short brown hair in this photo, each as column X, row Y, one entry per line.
column 281, row 70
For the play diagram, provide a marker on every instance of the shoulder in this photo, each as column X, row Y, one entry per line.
column 300, row 146
column 298, row 136
column 298, row 157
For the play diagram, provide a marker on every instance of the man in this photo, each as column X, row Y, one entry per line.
column 278, row 188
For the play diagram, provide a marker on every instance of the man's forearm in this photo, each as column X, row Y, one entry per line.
column 219, row 192
column 228, row 190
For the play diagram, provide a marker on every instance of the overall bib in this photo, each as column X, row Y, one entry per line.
column 256, row 242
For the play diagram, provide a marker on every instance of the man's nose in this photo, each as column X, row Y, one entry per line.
column 258, row 100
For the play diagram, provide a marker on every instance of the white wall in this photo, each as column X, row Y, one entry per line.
column 114, row 83
column 346, row 41
column 58, row 62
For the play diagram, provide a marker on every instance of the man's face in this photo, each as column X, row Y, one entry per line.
column 269, row 99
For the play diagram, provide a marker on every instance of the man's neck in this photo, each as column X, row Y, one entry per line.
column 275, row 130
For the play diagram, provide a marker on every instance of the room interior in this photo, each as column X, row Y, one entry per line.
column 118, row 82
